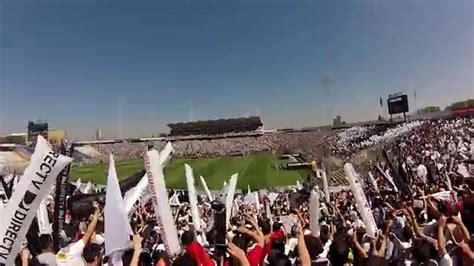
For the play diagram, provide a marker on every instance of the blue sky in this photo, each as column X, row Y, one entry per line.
column 131, row 67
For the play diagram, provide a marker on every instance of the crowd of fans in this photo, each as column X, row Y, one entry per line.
column 425, row 224
column 273, row 142
column 354, row 139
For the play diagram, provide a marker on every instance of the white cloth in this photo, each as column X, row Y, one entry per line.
column 47, row 258
column 446, row 260
column 71, row 255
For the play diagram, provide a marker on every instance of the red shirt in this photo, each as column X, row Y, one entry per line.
column 254, row 255
column 199, row 254
column 268, row 245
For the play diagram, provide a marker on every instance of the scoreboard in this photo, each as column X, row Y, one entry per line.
column 397, row 103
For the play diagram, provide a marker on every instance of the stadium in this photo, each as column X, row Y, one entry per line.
column 215, row 149
column 219, row 148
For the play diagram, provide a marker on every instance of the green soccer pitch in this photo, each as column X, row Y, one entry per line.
column 258, row 171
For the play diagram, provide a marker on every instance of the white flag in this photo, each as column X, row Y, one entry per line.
column 192, row 197
column 117, row 228
column 36, row 182
column 160, row 198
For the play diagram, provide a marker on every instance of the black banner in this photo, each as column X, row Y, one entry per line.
column 60, row 196
column 399, row 175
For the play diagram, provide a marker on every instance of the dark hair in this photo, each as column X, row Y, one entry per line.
column 241, row 241
column 91, row 252
column 279, row 244
column 407, row 232
column 187, row 238
column 423, row 251
column 265, row 225
column 277, row 258
column 185, row 260
column 276, row 226
column 339, row 250
column 314, row 246
column 45, row 241
column 157, row 255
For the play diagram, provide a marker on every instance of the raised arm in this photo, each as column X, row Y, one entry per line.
column 238, row 253
column 259, row 239
column 137, row 248
column 441, row 239
column 91, row 228
column 358, row 247
column 302, row 249
column 464, row 229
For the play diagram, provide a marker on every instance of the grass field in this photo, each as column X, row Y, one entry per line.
column 258, row 171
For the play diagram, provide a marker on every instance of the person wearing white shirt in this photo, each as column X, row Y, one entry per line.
column 72, row 255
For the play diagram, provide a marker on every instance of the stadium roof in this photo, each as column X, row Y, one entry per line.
column 218, row 126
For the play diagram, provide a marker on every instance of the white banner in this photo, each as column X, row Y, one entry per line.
column 35, row 184
column 117, row 228
column 298, row 185
column 139, row 192
column 257, row 200
column 325, row 186
column 193, row 202
column 206, row 189
column 134, row 194
column 272, row 197
column 230, row 196
column 166, row 154
column 373, row 182
column 388, row 178
column 43, row 220
column 361, row 200
column 314, row 212
column 159, row 198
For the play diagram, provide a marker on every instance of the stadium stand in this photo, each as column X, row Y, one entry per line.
column 216, row 127
column 88, row 151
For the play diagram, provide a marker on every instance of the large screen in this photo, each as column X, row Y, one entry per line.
column 397, row 104
column 35, row 129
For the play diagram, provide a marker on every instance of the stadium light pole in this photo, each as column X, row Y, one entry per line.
column 190, row 103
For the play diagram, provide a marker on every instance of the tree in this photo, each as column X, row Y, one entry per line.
column 429, row 109
column 460, row 105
